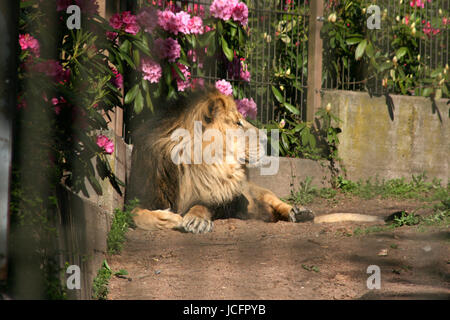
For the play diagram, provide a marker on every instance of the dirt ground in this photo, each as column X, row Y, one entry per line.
column 257, row 260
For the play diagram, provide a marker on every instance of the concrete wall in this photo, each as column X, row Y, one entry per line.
column 408, row 138
column 85, row 222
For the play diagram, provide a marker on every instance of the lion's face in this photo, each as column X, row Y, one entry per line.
column 239, row 141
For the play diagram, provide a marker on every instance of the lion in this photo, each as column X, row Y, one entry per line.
column 189, row 195
column 180, row 190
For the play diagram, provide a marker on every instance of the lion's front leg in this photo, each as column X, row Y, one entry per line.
column 280, row 210
column 197, row 220
column 156, row 219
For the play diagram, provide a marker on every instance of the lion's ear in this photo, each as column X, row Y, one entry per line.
column 215, row 106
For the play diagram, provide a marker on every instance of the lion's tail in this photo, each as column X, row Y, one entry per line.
column 342, row 217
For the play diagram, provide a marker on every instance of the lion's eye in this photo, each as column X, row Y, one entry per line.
column 239, row 123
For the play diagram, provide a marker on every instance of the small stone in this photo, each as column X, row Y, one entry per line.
column 427, row 248
column 383, row 252
column 157, row 271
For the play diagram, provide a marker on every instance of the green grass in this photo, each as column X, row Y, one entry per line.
column 123, row 220
column 418, row 188
column 101, row 281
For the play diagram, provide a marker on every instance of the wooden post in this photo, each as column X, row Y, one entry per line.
column 315, row 46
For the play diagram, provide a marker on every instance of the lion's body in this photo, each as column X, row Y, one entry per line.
column 197, row 192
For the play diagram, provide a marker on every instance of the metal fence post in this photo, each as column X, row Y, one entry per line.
column 315, row 46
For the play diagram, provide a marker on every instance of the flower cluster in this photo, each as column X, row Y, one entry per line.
column 182, row 84
column 126, row 20
column 180, row 22
column 52, row 69
column 27, row 41
column 168, row 48
column 418, row 3
column 428, row 30
column 58, row 103
column 226, row 9
column 106, row 144
column 152, row 70
column 247, row 107
column 117, row 81
column 224, row 87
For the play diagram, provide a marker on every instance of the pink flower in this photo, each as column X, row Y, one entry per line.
column 222, row 9
column 418, row 3
column 195, row 25
column 167, row 21
column 27, row 41
column 168, row 48
column 117, row 81
column 182, row 84
column 151, row 69
column 130, row 22
column 224, row 87
column 128, row 17
column 116, row 21
column 132, row 28
column 247, row 107
column 240, row 13
column 105, row 143
column 148, row 19
column 244, row 73
column 111, row 35
column 58, row 104
column 53, row 69
column 182, row 22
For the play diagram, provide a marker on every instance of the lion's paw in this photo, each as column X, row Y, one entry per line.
column 301, row 214
column 196, row 224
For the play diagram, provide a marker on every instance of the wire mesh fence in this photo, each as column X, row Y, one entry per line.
column 421, row 26
column 276, row 55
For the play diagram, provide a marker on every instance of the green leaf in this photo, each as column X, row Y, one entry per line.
column 401, row 52
column 370, row 50
column 125, row 46
column 131, row 95
column 353, row 41
column 226, row 49
column 95, row 184
column 277, row 94
column 148, row 99
column 291, row 108
column 427, row 92
column 178, row 71
column 136, row 57
column 139, row 103
column 360, row 49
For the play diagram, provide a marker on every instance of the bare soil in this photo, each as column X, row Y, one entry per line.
column 257, row 260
